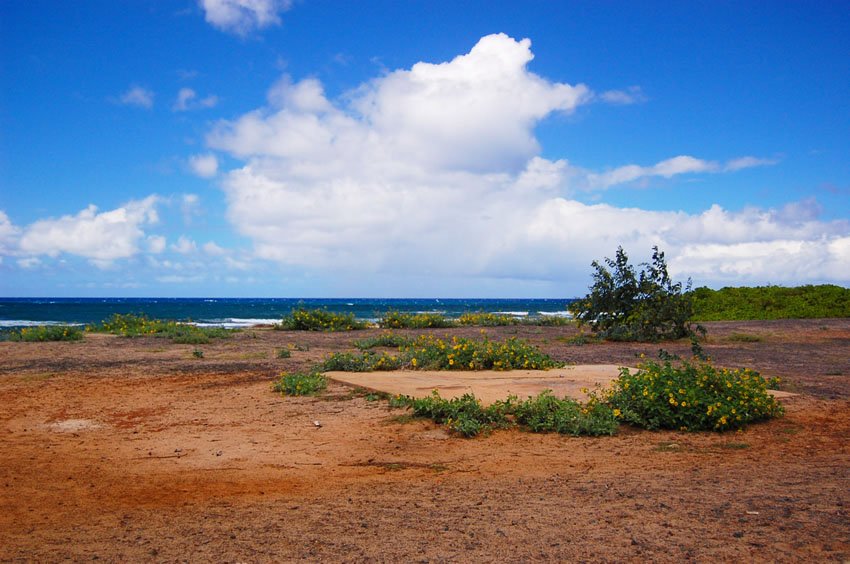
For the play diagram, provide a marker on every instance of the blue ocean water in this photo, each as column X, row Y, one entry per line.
column 242, row 312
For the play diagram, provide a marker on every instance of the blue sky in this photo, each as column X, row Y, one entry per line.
column 402, row 149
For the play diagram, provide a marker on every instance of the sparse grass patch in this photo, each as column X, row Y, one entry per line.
column 301, row 383
column 319, row 320
column 744, row 338
column 42, row 333
column 549, row 321
column 283, row 353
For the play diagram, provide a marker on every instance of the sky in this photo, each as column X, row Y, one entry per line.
column 318, row 148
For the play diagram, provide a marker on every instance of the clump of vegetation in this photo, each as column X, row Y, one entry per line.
column 543, row 413
column 546, row 413
column 319, row 320
column 771, row 302
column 744, row 338
column 402, row 320
column 626, row 306
column 301, row 383
column 283, row 353
column 549, row 321
column 198, row 353
column 367, row 361
column 432, row 353
column 131, row 325
column 46, row 333
column 482, row 319
column 692, row 396
column 386, row 339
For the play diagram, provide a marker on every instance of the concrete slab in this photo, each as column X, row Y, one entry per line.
column 488, row 385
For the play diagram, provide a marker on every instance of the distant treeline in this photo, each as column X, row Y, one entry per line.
column 771, row 302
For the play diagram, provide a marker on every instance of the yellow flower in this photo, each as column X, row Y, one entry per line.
column 617, row 413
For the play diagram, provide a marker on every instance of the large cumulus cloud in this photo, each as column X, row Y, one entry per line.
column 436, row 169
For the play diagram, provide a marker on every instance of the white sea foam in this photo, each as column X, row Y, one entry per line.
column 234, row 322
column 556, row 313
column 512, row 313
column 30, row 323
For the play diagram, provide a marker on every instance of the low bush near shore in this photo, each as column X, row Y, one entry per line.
column 400, row 320
column 47, row 333
column 432, row 353
column 481, row 319
column 319, row 320
column 543, row 413
column 301, row 383
column 692, row 397
column 387, row 339
column 131, row 325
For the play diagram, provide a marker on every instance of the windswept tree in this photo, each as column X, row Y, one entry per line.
column 624, row 305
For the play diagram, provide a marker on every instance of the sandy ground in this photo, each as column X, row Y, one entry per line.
column 134, row 450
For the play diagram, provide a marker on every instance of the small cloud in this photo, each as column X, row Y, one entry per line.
column 212, row 249
column 187, row 99
column 29, row 263
column 205, row 166
column 747, row 162
column 137, row 96
column 632, row 95
column 156, row 244
column 241, row 17
column 184, row 245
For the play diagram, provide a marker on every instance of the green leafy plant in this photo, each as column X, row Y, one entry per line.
column 46, row 333
column 771, row 302
column 691, row 396
column 386, row 339
column 626, row 306
column 400, row 320
column 431, row 353
column 482, row 319
column 547, row 413
column 319, row 320
column 301, row 383
column 367, row 361
column 198, row 353
column 283, row 353
column 131, row 325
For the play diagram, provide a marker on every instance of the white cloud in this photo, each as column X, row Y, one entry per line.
column 187, row 99
column 435, row 171
column 137, row 96
column 29, row 262
column 747, row 162
column 156, row 244
column 8, row 234
column 184, row 245
column 632, row 95
column 101, row 237
column 214, row 250
column 241, row 17
column 205, row 166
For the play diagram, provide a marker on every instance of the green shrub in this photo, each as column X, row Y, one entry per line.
column 46, row 333
column 319, row 320
column 624, row 306
column 547, row 413
column 549, row 321
column 482, row 319
column 771, row 302
column 301, row 383
column 386, row 339
column 399, row 320
column 464, row 415
column 284, row 353
column 368, row 361
column 692, row 396
column 131, row 325
column 431, row 353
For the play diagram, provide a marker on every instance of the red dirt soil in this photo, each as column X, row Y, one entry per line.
column 134, row 450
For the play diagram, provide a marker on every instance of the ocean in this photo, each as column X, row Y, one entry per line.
column 244, row 312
